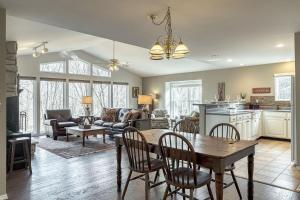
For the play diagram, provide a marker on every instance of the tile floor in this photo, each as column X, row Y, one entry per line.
column 272, row 165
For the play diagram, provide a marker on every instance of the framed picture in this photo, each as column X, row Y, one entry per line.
column 135, row 92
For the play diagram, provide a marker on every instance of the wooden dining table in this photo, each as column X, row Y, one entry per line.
column 212, row 153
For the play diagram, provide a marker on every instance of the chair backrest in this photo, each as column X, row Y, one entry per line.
column 179, row 159
column 186, row 126
column 225, row 130
column 60, row 115
column 137, row 150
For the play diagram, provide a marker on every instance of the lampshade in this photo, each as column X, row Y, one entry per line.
column 145, row 99
column 157, row 49
column 181, row 48
column 178, row 55
column 87, row 100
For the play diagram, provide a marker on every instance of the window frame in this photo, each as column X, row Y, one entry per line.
column 276, row 88
column 80, row 74
column 54, row 72
column 101, row 68
column 127, row 93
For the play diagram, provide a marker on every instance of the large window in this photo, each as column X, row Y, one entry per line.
column 120, row 95
column 79, row 67
column 77, row 89
column 26, row 105
column 283, row 87
column 101, row 94
column 51, row 97
column 181, row 95
column 56, row 67
column 100, row 71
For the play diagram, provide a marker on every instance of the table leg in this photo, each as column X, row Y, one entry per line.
column 119, row 172
column 83, row 140
column 219, row 185
column 67, row 136
column 250, row 176
column 103, row 137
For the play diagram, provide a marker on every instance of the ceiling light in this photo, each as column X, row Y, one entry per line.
column 35, row 54
column 213, row 58
column 167, row 46
column 229, row 60
column 280, row 45
column 44, row 50
column 242, row 64
column 114, row 63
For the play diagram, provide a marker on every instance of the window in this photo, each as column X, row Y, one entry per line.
column 100, row 71
column 120, row 95
column 181, row 95
column 101, row 94
column 79, row 67
column 283, row 87
column 55, row 67
column 26, row 105
column 51, row 97
column 77, row 89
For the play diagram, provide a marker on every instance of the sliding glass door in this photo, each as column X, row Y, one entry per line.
column 51, row 97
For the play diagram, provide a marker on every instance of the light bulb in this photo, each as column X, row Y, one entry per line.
column 35, row 54
column 44, row 50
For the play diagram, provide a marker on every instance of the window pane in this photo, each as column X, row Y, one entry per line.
column 26, row 103
column 76, row 91
column 100, row 71
column 52, row 97
column 283, row 88
column 57, row 67
column 101, row 95
column 79, row 67
column 120, row 96
column 181, row 95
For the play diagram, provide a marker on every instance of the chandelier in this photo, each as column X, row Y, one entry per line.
column 167, row 46
column 114, row 63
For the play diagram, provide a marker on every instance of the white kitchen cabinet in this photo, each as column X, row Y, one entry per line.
column 289, row 126
column 276, row 124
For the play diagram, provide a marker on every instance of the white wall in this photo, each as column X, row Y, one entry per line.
column 236, row 80
column 2, row 105
column 29, row 66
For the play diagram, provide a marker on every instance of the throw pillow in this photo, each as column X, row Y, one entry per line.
column 109, row 114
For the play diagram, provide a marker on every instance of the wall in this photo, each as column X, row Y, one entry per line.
column 296, row 122
column 237, row 80
column 29, row 66
column 2, row 105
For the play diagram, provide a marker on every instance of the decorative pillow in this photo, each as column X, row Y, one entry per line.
column 126, row 117
column 108, row 114
column 135, row 114
column 60, row 118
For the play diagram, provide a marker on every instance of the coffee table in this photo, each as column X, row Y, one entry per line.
column 94, row 130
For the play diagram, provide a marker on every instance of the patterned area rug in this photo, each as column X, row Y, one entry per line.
column 74, row 147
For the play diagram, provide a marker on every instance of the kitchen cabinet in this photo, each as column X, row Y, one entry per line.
column 277, row 124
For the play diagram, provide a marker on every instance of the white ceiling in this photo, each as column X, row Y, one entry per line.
column 244, row 31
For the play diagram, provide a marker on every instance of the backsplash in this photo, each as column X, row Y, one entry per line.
column 268, row 102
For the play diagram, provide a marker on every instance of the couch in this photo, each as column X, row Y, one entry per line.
column 115, row 120
column 56, row 122
column 160, row 119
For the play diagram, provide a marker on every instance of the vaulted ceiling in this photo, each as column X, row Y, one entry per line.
column 239, row 32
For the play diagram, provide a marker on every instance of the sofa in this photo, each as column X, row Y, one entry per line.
column 56, row 122
column 160, row 119
column 115, row 120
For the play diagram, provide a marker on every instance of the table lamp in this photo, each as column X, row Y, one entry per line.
column 87, row 101
column 145, row 100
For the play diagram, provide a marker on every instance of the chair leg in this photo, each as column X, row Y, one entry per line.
column 166, row 191
column 183, row 191
column 12, row 158
column 156, row 176
column 236, row 184
column 126, row 185
column 191, row 194
column 28, row 156
column 147, row 187
column 210, row 192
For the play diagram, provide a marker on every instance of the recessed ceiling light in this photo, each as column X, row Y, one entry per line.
column 213, row 58
column 242, row 64
column 229, row 60
column 279, row 45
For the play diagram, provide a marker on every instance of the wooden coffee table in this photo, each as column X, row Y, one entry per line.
column 94, row 130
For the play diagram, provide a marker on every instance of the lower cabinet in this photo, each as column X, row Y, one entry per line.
column 277, row 124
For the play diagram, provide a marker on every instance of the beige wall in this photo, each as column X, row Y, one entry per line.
column 296, row 136
column 2, row 105
column 237, row 80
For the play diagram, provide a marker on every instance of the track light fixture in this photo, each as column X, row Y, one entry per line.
column 40, row 49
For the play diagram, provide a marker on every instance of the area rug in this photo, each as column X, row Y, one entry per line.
column 74, row 147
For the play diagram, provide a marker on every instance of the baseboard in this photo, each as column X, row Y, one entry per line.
column 3, row 197
column 272, row 138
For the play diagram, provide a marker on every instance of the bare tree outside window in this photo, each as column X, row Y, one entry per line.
column 76, row 91
column 26, row 102
column 101, row 71
column 56, row 67
column 79, row 67
column 101, row 94
column 120, row 96
column 52, row 97
column 283, row 88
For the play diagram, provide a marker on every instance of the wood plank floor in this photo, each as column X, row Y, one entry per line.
column 94, row 177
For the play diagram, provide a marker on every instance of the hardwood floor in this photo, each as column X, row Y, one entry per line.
column 94, row 177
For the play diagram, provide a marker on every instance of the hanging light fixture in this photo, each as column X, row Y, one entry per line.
column 36, row 53
column 114, row 63
column 168, row 47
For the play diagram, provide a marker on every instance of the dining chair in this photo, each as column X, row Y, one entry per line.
column 227, row 131
column 140, row 160
column 179, row 160
column 185, row 126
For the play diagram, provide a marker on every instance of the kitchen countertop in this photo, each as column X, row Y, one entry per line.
column 241, row 112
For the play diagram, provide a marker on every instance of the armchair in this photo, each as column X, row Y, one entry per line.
column 193, row 118
column 160, row 119
column 56, row 122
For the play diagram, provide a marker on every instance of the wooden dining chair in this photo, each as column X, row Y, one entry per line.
column 186, row 126
column 140, row 160
column 180, row 165
column 227, row 131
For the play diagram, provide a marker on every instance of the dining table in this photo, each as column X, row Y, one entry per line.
column 211, row 152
